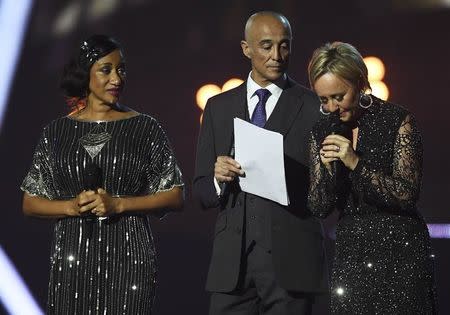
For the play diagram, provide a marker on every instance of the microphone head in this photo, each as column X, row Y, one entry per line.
column 92, row 177
column 335, row 120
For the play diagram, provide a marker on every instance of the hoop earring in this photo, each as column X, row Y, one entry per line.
column 322, row 111
column 365, row 100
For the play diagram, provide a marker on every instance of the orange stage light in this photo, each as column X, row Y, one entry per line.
column 232, row 83
column 205, row 92
column 379, row 89
column 375, row 68
column 376, row 71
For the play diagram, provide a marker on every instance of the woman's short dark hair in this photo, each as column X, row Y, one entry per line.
column 75, row 78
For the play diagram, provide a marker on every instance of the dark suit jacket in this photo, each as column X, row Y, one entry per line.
column 296, row 236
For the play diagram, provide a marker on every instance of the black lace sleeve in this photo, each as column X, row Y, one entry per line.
column 400, row 189
column 321, row 195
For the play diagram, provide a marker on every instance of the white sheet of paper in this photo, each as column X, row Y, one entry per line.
column 260, row 154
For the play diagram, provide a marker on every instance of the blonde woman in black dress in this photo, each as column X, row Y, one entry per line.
column 383, row 263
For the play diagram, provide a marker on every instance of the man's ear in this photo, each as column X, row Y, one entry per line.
column 245, row 49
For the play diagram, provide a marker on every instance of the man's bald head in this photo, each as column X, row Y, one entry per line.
column 265, row 17
column 267, row 44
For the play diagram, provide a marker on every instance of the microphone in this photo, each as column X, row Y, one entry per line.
column 224, row 185
column 92, row 176
column 336, row 129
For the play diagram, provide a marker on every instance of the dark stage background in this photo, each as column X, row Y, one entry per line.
column 175, row 47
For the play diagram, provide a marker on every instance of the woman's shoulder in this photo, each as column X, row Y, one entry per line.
column 56, row 123
column 149, row 124
column 147, row 118
column 388, row 108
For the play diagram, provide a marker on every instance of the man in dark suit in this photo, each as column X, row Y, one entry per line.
column 267, row 258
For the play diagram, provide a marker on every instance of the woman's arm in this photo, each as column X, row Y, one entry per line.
column 102, row 204
column 401, row 188
column 170, row 199
column 44, row 208
column 321, row 195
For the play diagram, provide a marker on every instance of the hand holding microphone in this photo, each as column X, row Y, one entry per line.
column 337, row 148
column 86, row 200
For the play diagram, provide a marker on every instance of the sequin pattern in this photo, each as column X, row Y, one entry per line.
column 103, row 266
column 383, row 262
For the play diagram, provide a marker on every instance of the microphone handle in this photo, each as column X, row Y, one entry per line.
column 334, row 168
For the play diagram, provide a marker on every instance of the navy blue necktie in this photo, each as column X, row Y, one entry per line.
column 259, row 114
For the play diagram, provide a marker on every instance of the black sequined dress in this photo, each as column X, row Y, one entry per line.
column 383, row 262
column 102, row 265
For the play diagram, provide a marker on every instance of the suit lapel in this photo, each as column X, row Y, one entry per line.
column 286, row 110
column 239, row 106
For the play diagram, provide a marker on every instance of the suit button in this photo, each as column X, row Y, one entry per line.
column 238, row 203
column 238, row 230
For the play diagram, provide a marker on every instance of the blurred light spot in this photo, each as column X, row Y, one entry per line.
column 375, row 68
column 210, row 90
column 421, row 4
column 340, row 291
column 231, row 84
column 205, row 92
column 380, row 89
column 102, row 8
column 68, row 18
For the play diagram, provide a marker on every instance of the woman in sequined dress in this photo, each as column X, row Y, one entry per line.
column 383, row 262
column 99, row 172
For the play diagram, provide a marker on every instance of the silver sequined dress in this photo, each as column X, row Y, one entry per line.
column 102, row 265
column 383, row 262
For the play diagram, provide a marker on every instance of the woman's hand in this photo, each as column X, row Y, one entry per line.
column 80, row 205
column 336, row 147
column 105, row 204
column 98, row 203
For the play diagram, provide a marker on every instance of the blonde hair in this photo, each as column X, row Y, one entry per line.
column 342, row 60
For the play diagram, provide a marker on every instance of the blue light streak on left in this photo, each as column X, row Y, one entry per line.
column 14, row 294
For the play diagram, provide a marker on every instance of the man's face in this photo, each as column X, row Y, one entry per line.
column 268, row 46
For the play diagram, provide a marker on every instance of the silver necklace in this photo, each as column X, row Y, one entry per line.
column 95, row 140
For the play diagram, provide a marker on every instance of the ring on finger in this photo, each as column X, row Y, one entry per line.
column 338, row 148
